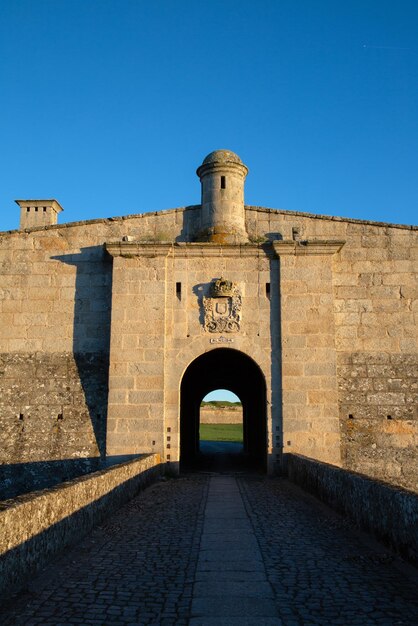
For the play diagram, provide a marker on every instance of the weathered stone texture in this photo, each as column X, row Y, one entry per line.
column 53, row 410
column 379, row 415
column 376, row 298
column 136, row 377
column 55, row 292
column 310, row 413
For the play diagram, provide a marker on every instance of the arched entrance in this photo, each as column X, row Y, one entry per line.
column 228, row 369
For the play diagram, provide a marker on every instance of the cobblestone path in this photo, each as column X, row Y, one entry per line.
column 215, row 550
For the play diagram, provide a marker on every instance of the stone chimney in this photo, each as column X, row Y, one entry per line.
column 35, row 213
column 222, row 175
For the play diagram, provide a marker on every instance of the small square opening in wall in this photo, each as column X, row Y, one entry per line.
column 36, row 209
column 28, row 209
column 44, row 209
column 350, row 416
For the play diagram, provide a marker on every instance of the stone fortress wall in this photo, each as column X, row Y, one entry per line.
column 334, row 300
column 224, row 415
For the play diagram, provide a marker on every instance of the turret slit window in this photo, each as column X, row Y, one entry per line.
column 223, row 182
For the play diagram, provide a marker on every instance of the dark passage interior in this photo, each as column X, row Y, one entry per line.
column 228, row 369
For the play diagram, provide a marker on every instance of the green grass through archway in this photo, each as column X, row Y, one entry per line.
column 221, row 432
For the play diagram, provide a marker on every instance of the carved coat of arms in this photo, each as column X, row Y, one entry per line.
column 222, row 307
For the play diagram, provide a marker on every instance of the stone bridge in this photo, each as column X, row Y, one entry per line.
column 211, row 548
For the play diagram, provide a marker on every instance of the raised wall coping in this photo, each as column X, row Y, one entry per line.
column 389, row 513
column 282, row 247
column 259, row 209
column 37, row 526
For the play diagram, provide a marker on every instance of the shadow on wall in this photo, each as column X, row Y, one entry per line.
column 274, row 236
column 276, row 365
column 91, row 333
column 191, row 224
column 67, row 514
column 64, row 431
column 192, row 230
column 20, row 478
column 202, row 290
column 17, row 479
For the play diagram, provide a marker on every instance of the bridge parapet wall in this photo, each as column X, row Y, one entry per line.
column 387, row 512
column 37, row 526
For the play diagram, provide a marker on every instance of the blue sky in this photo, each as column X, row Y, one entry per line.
column 110, row 105
column 221, row 394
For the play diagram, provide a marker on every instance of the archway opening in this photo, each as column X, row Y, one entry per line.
column 224, row 368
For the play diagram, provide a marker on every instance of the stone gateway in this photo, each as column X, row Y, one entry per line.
column 113, row 330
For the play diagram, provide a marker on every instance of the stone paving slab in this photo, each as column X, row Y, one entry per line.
column 249, row 576
column 227, row 513
column 236, row 621
column 213, row 542
column 233, row 588
column 231, row 554
column 146, row 566
column 230, row 599
column 216, row 526
column 248, row 565
column 229, row 605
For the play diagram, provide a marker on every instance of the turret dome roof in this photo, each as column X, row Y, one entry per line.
column 222, row 156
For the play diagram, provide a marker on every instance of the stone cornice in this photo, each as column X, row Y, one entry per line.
column 131, row 249
column 210, row 168
column 40, row 203
column 303, row 248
